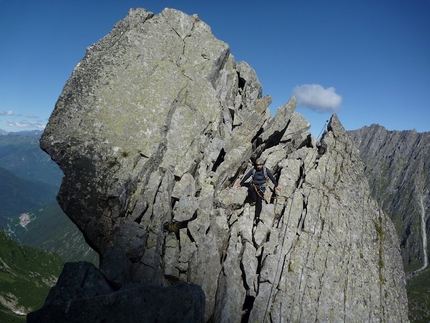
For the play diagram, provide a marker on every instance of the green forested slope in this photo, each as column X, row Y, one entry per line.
column 51, row 230
column 26, row 276
column 19, row 195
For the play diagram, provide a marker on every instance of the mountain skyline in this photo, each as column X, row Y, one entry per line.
column 366, row 61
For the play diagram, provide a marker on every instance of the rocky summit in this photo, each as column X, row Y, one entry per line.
column 153, row 130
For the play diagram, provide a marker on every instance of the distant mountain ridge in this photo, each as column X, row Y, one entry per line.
column 45, row 227
column 18, row 195
column 398, row 169
column 29, row 212
column 51, row 230
column 35, row 133
column 20, row 154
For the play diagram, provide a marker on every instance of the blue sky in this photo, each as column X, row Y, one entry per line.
column 367, row 61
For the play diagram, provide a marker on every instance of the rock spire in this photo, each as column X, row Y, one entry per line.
column 152, row 131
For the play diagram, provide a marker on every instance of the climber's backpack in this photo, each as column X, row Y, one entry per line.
column 264, row 172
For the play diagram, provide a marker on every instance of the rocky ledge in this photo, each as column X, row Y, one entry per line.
column 153, row 130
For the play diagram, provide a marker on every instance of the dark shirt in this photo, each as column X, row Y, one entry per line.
column 258, row 177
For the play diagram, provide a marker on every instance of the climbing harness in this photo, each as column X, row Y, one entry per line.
column 269, row 196
column 260, row 190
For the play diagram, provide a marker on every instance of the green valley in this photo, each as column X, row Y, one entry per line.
column 26, row 276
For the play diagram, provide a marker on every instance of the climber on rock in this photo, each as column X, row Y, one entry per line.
column 257, row 186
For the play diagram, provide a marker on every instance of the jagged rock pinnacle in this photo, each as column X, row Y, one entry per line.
column 153, row 129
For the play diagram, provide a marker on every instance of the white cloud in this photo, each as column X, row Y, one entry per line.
column 32, row 116
column 6, row 113
column 26, row 124
column 317, row 98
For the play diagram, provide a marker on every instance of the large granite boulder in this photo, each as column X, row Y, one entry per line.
column 153, row 130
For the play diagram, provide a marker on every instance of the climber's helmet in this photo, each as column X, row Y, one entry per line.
column 259, row 161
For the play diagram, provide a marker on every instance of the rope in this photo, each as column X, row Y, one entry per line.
column 285, row 233
column 269, row 196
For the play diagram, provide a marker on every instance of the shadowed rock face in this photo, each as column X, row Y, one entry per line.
column 152, row 131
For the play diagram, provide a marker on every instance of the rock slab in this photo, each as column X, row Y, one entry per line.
column 153, row 130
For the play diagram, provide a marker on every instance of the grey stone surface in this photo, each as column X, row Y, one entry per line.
column 398, row 168
column 153, row 130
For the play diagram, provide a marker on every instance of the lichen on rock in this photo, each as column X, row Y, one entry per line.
column 153, row 130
